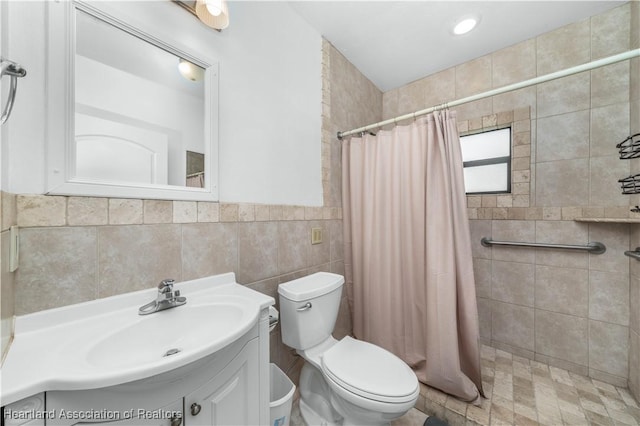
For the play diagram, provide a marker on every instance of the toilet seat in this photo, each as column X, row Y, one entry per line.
column 370, row 372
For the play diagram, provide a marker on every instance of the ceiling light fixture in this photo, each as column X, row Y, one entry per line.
column 214, row 13
column 464, row 26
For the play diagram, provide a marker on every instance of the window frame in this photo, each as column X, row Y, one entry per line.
column 491, row 161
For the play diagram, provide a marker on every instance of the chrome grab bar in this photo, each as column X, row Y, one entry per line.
column 15, row 71
column 633, row 253
column 594, row 247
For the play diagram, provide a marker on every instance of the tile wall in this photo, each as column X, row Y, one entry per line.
column 7, row 297
column 634, row 297
column 75, row 249
column 566, row 309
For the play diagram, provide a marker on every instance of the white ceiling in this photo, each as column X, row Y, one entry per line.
column 396, row 42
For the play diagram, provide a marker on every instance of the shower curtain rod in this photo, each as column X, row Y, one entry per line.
column 515, row 86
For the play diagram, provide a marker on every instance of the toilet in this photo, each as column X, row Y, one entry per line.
column 343, row 382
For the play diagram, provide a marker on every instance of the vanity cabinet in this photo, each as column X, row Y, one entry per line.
column 222, row 389
column 24, row 412
column 99, row 363
column 231, row 398
column 170, row 415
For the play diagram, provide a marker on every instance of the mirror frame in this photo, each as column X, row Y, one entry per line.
column 60, row 104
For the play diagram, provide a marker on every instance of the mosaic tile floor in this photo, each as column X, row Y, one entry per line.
column 524, row 392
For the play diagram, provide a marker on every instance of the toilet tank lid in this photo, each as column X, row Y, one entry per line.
column 311, row 286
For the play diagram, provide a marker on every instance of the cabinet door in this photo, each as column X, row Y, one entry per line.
column 26, row 412
column 230, row 398
column 170, row 415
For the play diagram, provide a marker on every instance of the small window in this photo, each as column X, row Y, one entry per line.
column 487, row 162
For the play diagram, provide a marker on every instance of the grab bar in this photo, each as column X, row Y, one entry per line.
column 594, row 247
column 15, row 71
column 633, row 253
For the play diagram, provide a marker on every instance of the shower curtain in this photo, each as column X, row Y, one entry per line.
column 408, row 261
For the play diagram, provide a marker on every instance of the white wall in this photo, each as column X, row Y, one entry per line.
column 270, row 97
column 274, row 119
column 23, row 135
column 3, row 89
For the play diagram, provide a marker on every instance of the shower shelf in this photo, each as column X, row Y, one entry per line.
column 607, row 220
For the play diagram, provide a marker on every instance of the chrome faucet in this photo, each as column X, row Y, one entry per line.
column 167, row 298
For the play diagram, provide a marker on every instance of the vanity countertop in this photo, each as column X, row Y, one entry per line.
column 84, row 346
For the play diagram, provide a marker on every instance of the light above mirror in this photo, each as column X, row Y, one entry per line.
column 213, row 13
column 214, row 7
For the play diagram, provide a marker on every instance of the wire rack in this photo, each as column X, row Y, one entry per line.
column 630, row 147
column 631, row 184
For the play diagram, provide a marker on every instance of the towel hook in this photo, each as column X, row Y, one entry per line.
column 15, row 71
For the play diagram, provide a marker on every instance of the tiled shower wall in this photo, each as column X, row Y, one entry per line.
column 75, row 249
column 566, row 309
column 634, row 282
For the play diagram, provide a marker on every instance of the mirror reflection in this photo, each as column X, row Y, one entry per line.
column 139, row 116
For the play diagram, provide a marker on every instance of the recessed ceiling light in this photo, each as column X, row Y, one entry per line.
column 465, row 26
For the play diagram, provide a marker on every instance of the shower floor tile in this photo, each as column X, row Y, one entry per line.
column 524, row 392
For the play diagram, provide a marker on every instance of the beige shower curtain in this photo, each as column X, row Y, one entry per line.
column 408, row 258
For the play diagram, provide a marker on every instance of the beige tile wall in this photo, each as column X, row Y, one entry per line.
column 634, row 295
column 61, row 265
column 350, row 100
column 505, row 206
column 7, row 282
column 568, row 309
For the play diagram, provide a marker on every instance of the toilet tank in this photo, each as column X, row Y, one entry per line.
column 309, row 309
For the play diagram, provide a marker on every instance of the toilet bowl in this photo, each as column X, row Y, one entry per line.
column 345, row 382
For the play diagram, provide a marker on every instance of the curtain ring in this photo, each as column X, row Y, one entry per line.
column 442, row 107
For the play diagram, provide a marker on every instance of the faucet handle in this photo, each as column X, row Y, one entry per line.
column 166, row 285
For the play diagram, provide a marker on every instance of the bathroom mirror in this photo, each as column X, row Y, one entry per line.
column 139, row 115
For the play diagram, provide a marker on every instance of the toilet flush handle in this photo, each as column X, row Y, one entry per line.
column 306, row 307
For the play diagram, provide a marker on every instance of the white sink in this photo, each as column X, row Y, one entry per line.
column 105, row 342
column 170, row 333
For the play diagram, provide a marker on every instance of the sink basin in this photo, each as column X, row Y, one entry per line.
column 170, row 333
column 105, row 342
